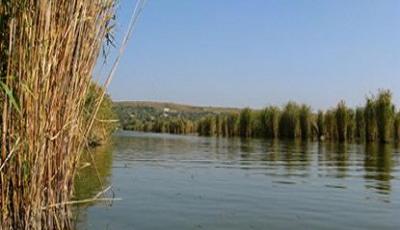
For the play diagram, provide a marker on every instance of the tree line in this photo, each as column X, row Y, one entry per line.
column 172, row 125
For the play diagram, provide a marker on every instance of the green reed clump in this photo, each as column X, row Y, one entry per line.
column 342, row 117
column 330, row 125
column 245, row 122
column 305, row 116
column 320, row 125
column 257, row 124
column 384, row 111
column 175, row 126
column 370, row 120
column 397, row 127
column 224, row 125
column 271, row 120
column 360, row 124
column 218, row 125
column 232, row 123
column 351, row 124
column 206, row 126
column 289, row 123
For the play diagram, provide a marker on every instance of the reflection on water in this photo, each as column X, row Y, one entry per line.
column 378, row 167
column 187, row 182
column 93, row 176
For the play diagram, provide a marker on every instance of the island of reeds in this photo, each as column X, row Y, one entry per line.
column 377, row 121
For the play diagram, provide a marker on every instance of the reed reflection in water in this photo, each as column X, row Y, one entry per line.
column 189, row 182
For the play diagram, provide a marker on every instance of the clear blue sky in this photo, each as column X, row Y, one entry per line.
column 259, row 52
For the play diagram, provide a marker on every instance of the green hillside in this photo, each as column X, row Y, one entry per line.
column 142, row 115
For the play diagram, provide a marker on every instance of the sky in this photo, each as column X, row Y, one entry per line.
column 254, row 53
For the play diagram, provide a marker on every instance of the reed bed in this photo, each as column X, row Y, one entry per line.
column 376, row 121
column 48, row 51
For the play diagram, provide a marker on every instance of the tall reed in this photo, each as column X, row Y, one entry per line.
column 206, row 126
column 218, row 125
column 370, row 120
column 271, row 121
column 397, row 127
column 321, row 125
column 289, row 123
column 257, row 123
column 360, row 124
column 48, row 51
column 245, row 122
column 305, row 116
column 351, row 124
column 232, row 121
column 341, row 115
column 384, row 111
column 330, row 125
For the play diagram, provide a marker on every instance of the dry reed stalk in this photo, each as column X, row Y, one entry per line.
column 48, row 50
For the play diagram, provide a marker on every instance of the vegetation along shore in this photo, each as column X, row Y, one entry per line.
column 377, row 120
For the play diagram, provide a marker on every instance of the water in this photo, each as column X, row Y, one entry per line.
column 187, row 182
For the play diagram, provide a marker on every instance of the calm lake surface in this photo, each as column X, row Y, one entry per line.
column 189, row 182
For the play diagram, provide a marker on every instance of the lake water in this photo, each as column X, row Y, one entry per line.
column 189, row 182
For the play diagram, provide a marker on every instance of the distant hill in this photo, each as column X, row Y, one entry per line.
column 131, row 112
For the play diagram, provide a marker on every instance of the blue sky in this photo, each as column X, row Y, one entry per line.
column 259, row 52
